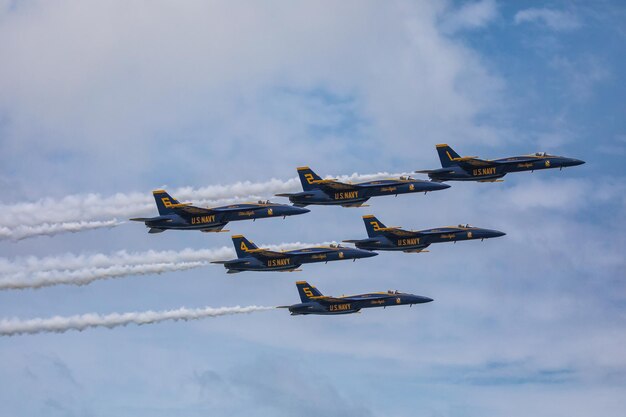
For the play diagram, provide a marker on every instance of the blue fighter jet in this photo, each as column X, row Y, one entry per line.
column 382, row 237
column 252, row 258
column 332, row 192
column 470, row 168
column 313, row 302
column 174, row 215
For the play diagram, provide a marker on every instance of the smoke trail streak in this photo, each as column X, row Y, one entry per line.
column 82, row 212
column 58, row 324
column 33, row 272
column 49, row 229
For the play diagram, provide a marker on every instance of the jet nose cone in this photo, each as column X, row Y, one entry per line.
column 421, row 299
column 434, row 185
column 366, row 253
column 487, row 234
column 299, row 210
column 574, row 162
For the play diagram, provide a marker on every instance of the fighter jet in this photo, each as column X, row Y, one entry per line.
column 252, row 258
column 382, row 237
column 313, row 302
column 332, row 192
column 177, row 216
column 470, row 168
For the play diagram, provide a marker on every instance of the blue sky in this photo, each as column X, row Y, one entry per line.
column 119, row 97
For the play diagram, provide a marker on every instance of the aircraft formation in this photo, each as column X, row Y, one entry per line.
column 173, row 215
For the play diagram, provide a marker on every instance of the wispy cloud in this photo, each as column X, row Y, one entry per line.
column 471, row 15
column 553, row 19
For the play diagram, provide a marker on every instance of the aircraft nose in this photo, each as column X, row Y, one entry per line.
column 495, row 233
column 434, row 186
column 574, row 162
column 365, row 253
column 298, row 210
column 418, row 299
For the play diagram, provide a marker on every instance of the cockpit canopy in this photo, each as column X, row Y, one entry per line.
column 264, row 201
column 541, row 154
column 393, row 292
column 335, row 245
column 465, row 226
column 406, row 177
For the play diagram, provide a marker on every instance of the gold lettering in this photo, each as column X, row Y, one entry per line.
column 346, row 195
column 278, row 262
column 484, row 171
column 203, row 219
column 340, row 307
column 409, row 242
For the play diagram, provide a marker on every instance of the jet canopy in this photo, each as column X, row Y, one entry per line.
column 335, row 245
column 541, row 154
column 393, row 292
column 465, row 226
column 406, row 177
column 264, row 202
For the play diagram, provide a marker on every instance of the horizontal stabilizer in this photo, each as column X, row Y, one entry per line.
column 156, row 230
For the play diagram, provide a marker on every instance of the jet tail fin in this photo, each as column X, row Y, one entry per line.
column 308, row 178
column 242, row 246
column 447, row 155
column 166, row 204
column 307, row 291
column 373, row 225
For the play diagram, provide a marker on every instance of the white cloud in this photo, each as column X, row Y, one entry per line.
column 553, row 19
column 471, row 15
column 160, row 90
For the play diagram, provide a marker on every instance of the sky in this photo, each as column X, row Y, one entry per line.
column 102, row 102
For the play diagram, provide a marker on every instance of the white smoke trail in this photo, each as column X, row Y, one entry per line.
column 46, row 229
column 33, row 272
column 58, row 324
column 88, row 211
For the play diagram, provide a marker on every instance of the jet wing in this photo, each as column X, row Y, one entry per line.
column 193, row 209
column 370, row 240
column 310, row 251
column 234, row 262
column 366, row 297
column 471, row 160
column 516, row 160
column 233, row 208
column 335, row 185
column 266, row 252
column 151, row 219
column 398, row 232
column 438, row 232
column 436, row 171
column 302, row 194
